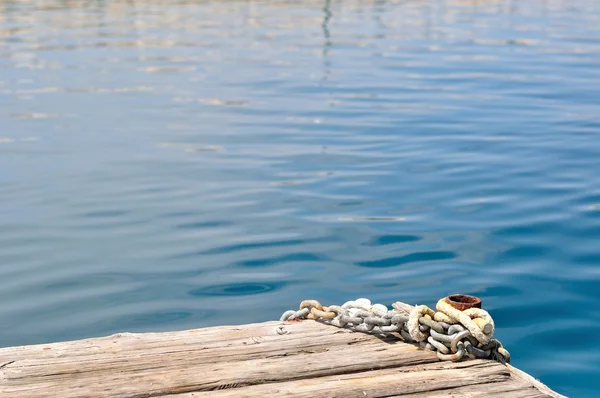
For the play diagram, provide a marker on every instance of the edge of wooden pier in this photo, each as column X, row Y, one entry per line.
column 300, row 359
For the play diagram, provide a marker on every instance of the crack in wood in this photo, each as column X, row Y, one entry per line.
column 6, row 364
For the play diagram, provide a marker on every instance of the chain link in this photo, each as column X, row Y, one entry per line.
column 451, row 333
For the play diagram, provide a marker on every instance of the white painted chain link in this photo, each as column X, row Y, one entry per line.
column 452, row 333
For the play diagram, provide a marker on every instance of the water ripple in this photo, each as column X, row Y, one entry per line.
column 176, row 164
column 408, row 258
column 238, row 289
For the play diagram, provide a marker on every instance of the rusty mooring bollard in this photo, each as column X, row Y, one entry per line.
column 463, row 301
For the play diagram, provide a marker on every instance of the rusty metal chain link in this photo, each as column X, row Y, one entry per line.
column 452, row 333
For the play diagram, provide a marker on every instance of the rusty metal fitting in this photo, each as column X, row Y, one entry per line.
column 463, row 301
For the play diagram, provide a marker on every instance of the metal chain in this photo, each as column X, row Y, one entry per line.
column 453, row 334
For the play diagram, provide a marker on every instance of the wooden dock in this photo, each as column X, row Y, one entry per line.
column 273, row 359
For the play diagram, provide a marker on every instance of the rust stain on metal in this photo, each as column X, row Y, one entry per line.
column 463, row 301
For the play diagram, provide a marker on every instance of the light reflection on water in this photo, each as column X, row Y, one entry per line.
column 171, row 165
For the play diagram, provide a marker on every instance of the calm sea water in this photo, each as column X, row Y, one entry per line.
column 168, row 165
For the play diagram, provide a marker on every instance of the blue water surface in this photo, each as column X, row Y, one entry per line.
column 177, row 164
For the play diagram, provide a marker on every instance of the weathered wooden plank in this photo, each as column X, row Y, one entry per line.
column 207, row 368
column 302, row 359
column 505, row 389
column 217, row 336
column 257, row 344
column 464, row 379
column 525, row 378
column 381, row 383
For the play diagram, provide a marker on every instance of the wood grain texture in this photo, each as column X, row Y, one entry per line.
column 303, row 359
